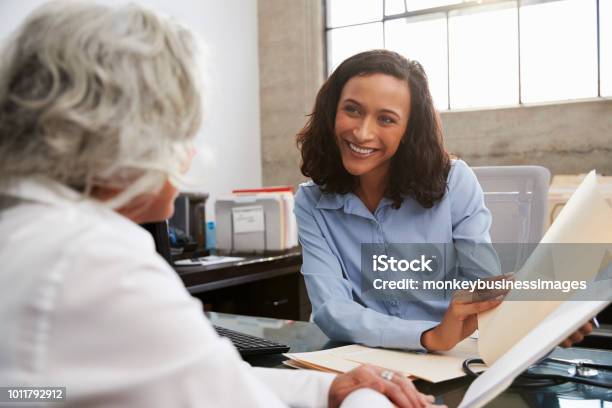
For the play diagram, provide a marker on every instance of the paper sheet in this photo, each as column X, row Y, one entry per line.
column 433, row 367
column 586, row 218
column 208, row 260
column 557, row 326
column 323, row 360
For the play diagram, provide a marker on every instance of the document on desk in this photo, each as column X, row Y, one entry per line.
column 208, row 260
column 433, row 367
column 563, row 321
column 585, row 219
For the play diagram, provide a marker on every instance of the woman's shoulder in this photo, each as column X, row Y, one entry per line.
column 461, row 177
column 311, row 196
column 308, row 194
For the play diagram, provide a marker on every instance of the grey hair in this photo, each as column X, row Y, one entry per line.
column 95, row 96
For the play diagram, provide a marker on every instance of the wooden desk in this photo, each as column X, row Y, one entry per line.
column 263, row 285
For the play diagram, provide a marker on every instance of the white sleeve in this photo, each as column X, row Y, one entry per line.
column 125, row 332
column 297, row 388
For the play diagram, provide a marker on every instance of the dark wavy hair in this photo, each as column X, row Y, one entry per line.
column 420, row 166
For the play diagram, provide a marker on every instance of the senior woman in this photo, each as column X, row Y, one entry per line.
column 98, row 108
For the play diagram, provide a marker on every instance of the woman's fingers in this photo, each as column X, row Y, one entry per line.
column 578, row 335
column 397, row 395
column 406, row 387
column 586, row 328
column 463, row 310
column 575, row 337
column 415, row 397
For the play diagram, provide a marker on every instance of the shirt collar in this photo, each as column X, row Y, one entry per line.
column 41, row 189
column 350, row 203
column 331, row 201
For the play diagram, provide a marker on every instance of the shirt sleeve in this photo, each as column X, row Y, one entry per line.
column 125, row 332
column 471, row 221
column 334, row 309
column 297, row 388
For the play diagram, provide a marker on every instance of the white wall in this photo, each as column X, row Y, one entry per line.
column 229, row 153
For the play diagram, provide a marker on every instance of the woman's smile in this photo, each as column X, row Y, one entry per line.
column 360, row 151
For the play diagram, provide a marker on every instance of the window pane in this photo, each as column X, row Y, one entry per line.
column 558, row 50
column 346, row 12
column 484, row 68
column 405, row 36
column 347, row 41
column 413, row 5
column 605, row 38
column 394, row 7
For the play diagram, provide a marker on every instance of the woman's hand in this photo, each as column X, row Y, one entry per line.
column 578, row 335
column 460, row 320
column 398, row 389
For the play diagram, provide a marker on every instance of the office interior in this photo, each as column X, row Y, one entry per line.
column 516, row 83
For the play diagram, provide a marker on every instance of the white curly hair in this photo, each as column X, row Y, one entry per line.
column 98, row 96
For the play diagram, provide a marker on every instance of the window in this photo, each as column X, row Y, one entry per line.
column 605, row 47
column 348, row 12
column 404, row 36
column 483, row 56
column 485, row 53
column 558, row 55
column 346, row 41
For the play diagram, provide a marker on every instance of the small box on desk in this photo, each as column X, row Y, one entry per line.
column 256, row 221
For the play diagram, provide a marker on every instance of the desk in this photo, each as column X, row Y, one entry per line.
column 271, row 285
column 260, row 285
column 305, row 336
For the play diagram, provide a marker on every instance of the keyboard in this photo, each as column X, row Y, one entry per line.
column 248, row 345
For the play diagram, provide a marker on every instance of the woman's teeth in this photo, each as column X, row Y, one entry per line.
column 360, row 150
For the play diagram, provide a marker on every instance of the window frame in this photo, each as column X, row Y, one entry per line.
column 471, row 4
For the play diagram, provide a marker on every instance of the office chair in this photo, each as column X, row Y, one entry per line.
column 517, row 197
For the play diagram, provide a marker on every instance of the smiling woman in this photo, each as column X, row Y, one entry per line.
column 380, row 175
column 370, row 96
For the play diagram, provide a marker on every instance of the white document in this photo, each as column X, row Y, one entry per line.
column 433, row 367
column 536, row 344
column 323, row 360
column 208, row 260
column 585, row 219
column 248, row 219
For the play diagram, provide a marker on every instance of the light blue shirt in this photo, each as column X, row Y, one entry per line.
column 332, row 228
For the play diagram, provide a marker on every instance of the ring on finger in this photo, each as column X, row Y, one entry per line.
column 387, row 375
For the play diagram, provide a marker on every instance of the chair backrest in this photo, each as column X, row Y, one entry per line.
column 517, row 197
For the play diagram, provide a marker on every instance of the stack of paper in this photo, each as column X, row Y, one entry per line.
column 256, row 220
column 433, row 367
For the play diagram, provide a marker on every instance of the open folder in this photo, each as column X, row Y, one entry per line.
column 566, row 319
column 517, row 334
column 432, row 367
column 585, row 221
